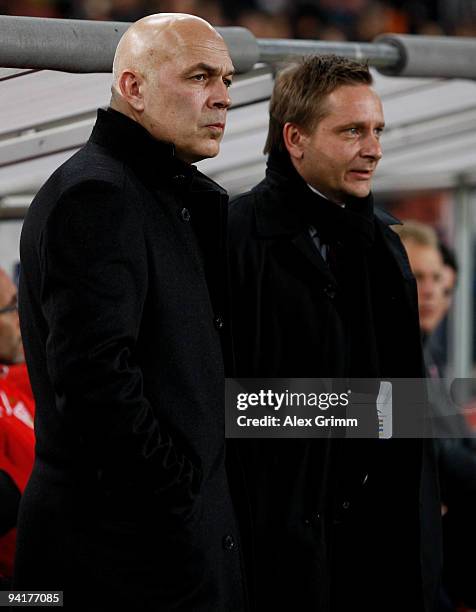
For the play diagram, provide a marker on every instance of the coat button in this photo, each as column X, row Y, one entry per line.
column 330, row 291
column 185, row 214
column 228, row 542
column 179, row 177
column 219, row 322
column 346, row 505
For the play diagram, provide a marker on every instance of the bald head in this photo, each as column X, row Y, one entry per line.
column 153, row 40
column 171, row 75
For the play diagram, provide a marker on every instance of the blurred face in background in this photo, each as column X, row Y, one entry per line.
column 427, row 266
column 11, row 347
column 449, row 285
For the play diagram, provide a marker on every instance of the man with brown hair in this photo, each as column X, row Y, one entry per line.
column 322, row 288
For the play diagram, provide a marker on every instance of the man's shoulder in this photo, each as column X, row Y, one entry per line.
column 91, row 175
column 89, row 171
column 385, row 217
column 242, row 222
column 91, row 163
column 385, row 221
column 241, row 207
column 83, row 171
column 244, row 207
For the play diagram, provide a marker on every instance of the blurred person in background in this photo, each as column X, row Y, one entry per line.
column 95, row 10
column 438, row 339
column 421, row 245
column 435, row 269
column 264, row 25
column 127, row 10
column 16, row 425
column 34, row 8
column 211, row 11
column 306, row 21
column 450, row 274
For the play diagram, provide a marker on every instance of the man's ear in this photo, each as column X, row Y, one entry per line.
column 131, row 89
column 295, row 140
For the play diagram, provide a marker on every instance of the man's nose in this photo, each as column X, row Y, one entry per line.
column 428, row 289
column 371, row 147
column 220, row 97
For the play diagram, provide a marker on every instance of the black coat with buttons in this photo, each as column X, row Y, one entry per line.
column 122, row 311
column 340, row 524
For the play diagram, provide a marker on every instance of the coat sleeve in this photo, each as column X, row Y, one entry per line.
column 94, row 286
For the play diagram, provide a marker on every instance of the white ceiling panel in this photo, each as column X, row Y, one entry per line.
column 430, row 137
column 39, row 98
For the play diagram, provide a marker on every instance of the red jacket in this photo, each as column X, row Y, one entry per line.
column 17, row 442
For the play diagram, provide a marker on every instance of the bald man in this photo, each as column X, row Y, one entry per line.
column 123, row 316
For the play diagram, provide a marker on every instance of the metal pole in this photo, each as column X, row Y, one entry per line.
column 462, row 324
column 13, row 213
column 391, row 54
column 431, row 56
column 74, row 45
column 70, row 45
column 380, row 55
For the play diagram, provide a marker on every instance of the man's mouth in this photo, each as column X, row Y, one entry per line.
column 362, row 173
column 427, row 310
column 216, row 126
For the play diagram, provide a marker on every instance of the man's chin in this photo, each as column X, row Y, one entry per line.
column 213, row 147
column 206, row 152
column 359, row 191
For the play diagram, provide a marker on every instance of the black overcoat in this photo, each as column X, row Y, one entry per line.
column 340, row 524
column 122, row 308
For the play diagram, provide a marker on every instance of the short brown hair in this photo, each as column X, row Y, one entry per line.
column 301, row 88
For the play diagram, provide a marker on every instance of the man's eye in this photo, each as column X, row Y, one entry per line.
column 227, row 82
column 199, row 77
column 353, row 131
column 378, row 132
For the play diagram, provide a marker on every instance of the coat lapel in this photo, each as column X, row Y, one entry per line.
column 306, row 246
column 273, row 220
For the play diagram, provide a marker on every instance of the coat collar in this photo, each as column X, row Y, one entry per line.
column 282, row 205
column 283, row 186
column 153, row 160
column 386, row 218
column 273, row 218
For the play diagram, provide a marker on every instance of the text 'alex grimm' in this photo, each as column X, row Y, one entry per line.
column 269, row 412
